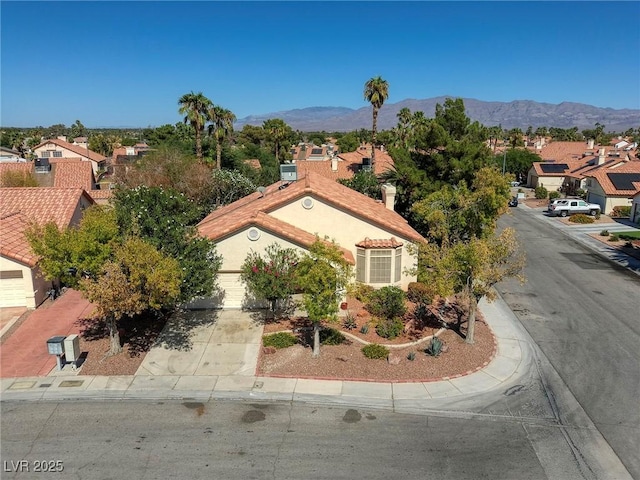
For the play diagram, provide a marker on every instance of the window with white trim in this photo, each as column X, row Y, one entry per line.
column 57, row 154
column 379, row 266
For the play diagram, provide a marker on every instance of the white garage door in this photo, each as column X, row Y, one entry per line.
column 599, row 199
column 12, row 292
column 232, row 288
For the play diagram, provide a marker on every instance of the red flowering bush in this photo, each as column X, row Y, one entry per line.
column 271, row 277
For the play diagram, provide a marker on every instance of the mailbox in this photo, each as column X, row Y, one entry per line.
column 72, row 348
column 55, row 345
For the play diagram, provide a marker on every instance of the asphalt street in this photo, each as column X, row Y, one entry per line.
column 242, row 440
column 584, row 314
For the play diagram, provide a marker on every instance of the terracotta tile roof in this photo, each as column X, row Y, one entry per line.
column 561, row 151
column 77, row 173
column 381, row 243
column 78, row 150
column 254, row 163
column 232, row 217
column 601, row 176
column 13, row 243
column 100, row 194
column 42, row 204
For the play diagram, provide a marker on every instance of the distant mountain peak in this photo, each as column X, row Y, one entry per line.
column 514, row 114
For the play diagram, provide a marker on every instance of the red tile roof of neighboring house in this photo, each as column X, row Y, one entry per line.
column 253, row 162
column 632, row 166
column 561, row 151
column 347, row 164
column 381, row 243
column 100, row 194
column 78, row 150
column 42, row 204
column 13, row 243
column 230, row 218
column 76, row 173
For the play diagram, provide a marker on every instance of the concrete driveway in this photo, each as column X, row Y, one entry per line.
column 205, row 342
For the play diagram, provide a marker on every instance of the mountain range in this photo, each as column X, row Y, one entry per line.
column 517, row 114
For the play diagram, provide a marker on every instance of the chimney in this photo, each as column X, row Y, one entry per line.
column 389, row 195
column 601, row 156
column 334, row 164
column 591, row 142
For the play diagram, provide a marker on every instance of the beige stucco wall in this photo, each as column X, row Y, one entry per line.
column 551, row 183
column 596, row 195
column 35, row 286
column 347, row 230
column 66, row 153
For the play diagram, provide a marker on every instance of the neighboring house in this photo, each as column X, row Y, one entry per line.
column 312, row 152
column 610, row 188
column 635, row 205
column 568, row 174
column 346, row 165
column 57, row 148
column 21, row 282
column 9, row 155
column 371, row 235
column 61, row 172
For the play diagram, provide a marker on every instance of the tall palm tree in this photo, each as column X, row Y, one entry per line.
column 278, row 130
column 194, row 107
column 221, row 126
column 376, row 91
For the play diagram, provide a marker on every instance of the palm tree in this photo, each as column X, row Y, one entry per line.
column 194, row 107
column 376, row 91
column 277, row 129
column 221, row 126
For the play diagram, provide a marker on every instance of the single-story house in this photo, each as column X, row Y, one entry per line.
column 57, row 148
column 614, row 187
column 21, row 282
column 346, row 165
column 373, row 237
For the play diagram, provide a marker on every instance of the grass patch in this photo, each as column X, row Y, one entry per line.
column 629, row 235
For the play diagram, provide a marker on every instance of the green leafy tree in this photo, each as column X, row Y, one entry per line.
column 452, row 117
column 220, row 128
column 471, row 269
column 323, row 275
column 139, row 278
column 67, row 254
column 195, row 108
column 166, row 219
column 376, row 91
column 271, row 277
column 518, row 161
column 365, row 182
column 77, row 130
column 348, row 142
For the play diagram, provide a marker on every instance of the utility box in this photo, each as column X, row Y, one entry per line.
column 72, row 348
column 55, row 345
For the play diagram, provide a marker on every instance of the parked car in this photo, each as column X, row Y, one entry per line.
column 515, row 184
column 513, row 202
column 571, row 206
column 556, row 201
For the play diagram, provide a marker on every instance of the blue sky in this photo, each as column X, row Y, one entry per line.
column 114, row 64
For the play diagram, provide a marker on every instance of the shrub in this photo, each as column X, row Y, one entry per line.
column 541, row 192
column 435, row 347
column 621, row 211
column 597, row 215
column 520, row 190
column 581, row 193
column 614, row 238
column 604, row 233
column 331, row 336
column 364, row 329
column 361, row 291
column 373, row 350
column 628, row 244
column 387, row 302
column 389, row 328
column 411, row 356
column 553, row 195
column 349, row 322
column 581, row 218
column 419, row 293
column 279, row 340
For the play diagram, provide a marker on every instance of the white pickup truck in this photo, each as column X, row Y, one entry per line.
column 569, row 206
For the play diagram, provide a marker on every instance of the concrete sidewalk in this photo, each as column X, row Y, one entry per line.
column 195, row 381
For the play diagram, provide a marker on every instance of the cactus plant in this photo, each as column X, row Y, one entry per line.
column 435, row 347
